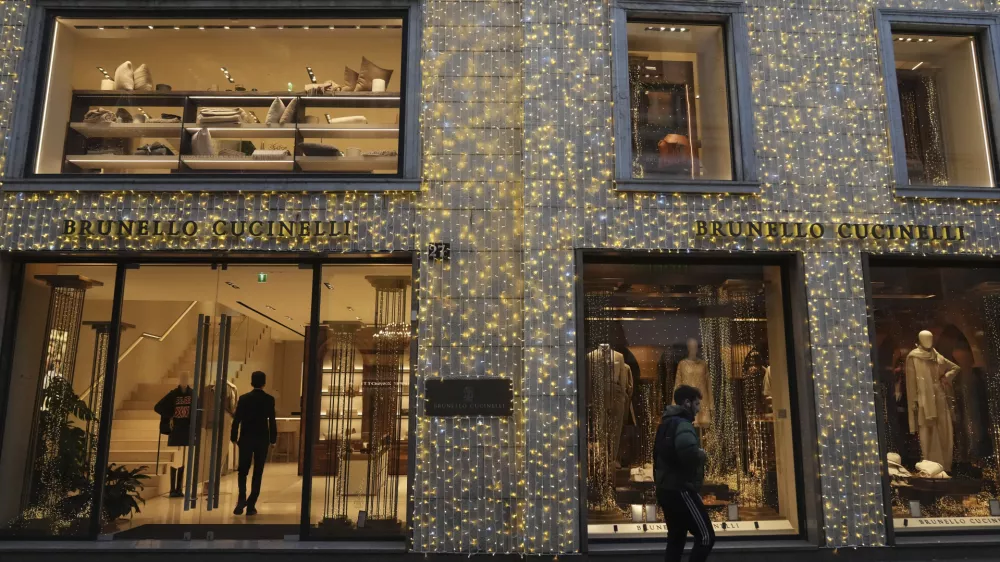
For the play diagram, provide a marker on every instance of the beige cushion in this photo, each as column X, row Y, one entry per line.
column 124, row 77
column 201, row 143
column 143, row 79
column 369, row 72
column 288, row 116
column 350, row 79
column 274, row 112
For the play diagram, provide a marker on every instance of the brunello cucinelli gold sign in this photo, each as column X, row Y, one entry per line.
column 83, row 228
column 815, row 230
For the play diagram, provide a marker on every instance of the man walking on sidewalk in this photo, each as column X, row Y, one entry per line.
column 679, row 469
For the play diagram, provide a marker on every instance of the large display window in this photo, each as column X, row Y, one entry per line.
column 936, row 354
column 721, row 328
column 186, row 96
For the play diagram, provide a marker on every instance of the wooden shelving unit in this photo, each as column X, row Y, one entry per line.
column 80, row 135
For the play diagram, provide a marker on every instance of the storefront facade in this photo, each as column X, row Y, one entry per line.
column 595, row 201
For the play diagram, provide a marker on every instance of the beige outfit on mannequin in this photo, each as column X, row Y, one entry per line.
column 617, row 390
column 929, row 409
column 694, row 372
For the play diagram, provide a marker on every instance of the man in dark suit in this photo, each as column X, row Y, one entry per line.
column 255, row 415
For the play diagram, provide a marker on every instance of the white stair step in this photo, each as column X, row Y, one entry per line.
column 140, row 457
column 145, row 405
column 137, row 415
column 164, row 468
column 126, row 443
column 148, row 434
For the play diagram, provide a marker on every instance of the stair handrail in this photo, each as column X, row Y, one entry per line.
column 143, row 336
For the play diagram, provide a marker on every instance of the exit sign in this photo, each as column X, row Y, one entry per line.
column 262, row 277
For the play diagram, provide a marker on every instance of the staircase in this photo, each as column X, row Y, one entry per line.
column 136, row 427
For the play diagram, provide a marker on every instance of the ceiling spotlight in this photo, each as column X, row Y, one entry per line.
column 201, row 27
column 305, row 27
column 328, row 285
column 177, row 27
column 329, row 121
column 233, row 285
column 101, row 28
column 149, row 26
column 225, row 27
column 269, row 307
column 253, row 27
column 684, row 29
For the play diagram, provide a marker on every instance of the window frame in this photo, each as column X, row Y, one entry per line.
column 29, row 104
column 732, row 16
column 985, row 28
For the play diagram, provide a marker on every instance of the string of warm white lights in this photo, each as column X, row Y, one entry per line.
column 517, row 153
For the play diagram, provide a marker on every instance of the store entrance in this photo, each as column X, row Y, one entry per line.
column 193, row 335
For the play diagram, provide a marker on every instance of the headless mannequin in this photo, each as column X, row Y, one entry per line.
column 928, row 380
column 167, row 407
column 692, row 371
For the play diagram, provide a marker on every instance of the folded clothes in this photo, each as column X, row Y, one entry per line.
column 353, row 119
column 99, row 115
column 230, row 153
column 382, row 153
column 264, row 154
column 123, row 116
column 318, row 149
column 155, row 149
column 105, row 152
column 163, row 120
column 326, row 88
column 220, row 110
column 220, row 119
column 170, row 116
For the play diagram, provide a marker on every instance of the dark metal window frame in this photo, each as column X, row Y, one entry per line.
column 985, row 27
column 732, row 16
column 870, row 260
column 124, row 261
column 801, row 390
column 36, row 59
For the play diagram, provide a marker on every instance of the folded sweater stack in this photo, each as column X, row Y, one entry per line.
column 222, row 116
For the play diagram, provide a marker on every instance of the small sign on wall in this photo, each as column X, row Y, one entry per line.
column 469, row 397
column 439, row 251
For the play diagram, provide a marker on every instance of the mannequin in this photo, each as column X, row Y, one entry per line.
column 610, row 375
column 693, row 371
column 928, row 378
column 175, row 422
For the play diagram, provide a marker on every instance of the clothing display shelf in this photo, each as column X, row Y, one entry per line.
column 178, row 135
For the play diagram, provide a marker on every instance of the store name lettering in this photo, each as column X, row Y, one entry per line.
column 858, row 231
column 80, row 228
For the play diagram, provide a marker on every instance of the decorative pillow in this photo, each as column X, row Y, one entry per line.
column 350, row 79
column 201, row 143
column 369, row 72
column 274, row 113
column 143, row 79
column 288, row 116
column 124, row 77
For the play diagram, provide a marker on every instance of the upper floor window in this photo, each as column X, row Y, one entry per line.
column 682, row 111
column 679, row 101
column 943, row 111
column 218, row 96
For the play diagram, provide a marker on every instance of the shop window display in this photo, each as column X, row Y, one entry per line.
column 158, row 96
column 943, row 110
column 679, row 101
column 49, row 457
column 937, row 346
column 718, row 328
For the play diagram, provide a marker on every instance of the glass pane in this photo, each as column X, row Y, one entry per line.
column 194, row 335
column 164, row 96
column 50, row 441
column 679, row 101
column 650, row 329
column 937, row 350
column 943, row 110
column 360, row 456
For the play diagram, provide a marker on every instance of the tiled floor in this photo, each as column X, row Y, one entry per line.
column 279, row 504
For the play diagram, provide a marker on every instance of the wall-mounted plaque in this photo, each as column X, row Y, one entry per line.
column 469, row 397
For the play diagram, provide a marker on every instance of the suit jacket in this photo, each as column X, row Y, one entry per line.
column 255, row 415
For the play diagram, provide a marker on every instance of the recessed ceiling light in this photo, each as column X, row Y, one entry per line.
column 149, row 26
column 269, row 307
column 325, row 284
column 253, row 27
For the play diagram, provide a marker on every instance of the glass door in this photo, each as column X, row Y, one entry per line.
column 195, row 337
